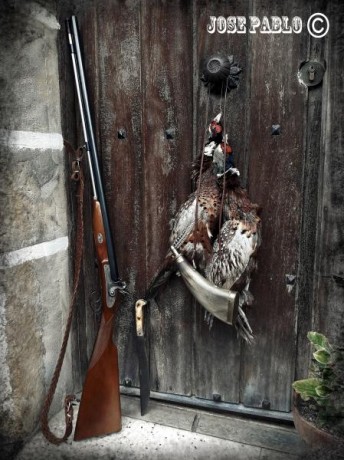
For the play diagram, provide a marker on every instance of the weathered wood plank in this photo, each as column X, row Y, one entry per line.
column 305, row 293
column 119, row 105
column 275, row 173
column 217, row 351
column 114, row 92
column 167, row 90
column 330, row 256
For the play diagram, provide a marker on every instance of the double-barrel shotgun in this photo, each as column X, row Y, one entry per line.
column 100, row 410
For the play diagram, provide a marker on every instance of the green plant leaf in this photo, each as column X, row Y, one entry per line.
column 319, row 340
column 307, row 387
column 322, row 356
column 323, row 391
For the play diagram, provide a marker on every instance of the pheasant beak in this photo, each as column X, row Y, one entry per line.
column 217, row 119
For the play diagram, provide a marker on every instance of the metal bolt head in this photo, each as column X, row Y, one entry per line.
column 275, row 130
column 127, row 382
column 121, row 133
column 170, row 133
column 100, row 238
column 290, row 279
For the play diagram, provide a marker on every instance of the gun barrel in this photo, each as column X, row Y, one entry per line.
column 73, row 38
column 82, row 116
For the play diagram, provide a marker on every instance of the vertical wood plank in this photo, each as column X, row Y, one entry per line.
column 330, row 256
column 110, row 34
column 120, row 109
column 217, row 351
column 275, row 174
column 167, row 91
column 306, row 278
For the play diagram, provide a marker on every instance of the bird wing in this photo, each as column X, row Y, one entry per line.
column 208, row 202
column 232, row 253
column 184, row 222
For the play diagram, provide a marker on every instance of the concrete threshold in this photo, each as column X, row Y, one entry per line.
column 173, row 432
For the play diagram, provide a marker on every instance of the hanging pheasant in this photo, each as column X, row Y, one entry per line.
column 194, row 226
column 234, row 251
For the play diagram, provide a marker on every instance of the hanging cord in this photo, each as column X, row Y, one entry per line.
column 224, row 167
column 77, row 175
column 201, row 167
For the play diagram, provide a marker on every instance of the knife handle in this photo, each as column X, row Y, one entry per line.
column 139, row 317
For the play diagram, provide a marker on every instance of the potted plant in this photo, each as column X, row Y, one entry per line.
column 319, row 400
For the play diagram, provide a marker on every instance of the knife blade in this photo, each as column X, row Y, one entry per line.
column 142, row 356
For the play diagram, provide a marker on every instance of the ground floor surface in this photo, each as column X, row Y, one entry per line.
column 174, row 432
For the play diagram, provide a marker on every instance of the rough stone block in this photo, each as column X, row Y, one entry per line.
column 32, row 197
column 34, row 300
column 29, row 78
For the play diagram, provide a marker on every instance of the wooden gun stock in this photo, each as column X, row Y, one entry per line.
column 100, row 410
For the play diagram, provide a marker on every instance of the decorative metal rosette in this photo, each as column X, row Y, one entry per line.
column 220, row 73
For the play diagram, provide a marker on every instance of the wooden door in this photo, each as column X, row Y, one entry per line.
column 142, row 63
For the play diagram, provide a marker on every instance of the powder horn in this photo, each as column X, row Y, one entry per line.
column 221, row 303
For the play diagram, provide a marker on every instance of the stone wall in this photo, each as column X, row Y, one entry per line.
column 34, row 243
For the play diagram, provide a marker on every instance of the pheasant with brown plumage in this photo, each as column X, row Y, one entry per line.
column 234, row 253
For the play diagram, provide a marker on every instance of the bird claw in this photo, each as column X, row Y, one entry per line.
column 243, row 327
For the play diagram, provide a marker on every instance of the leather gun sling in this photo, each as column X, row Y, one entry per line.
column 77, row 175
